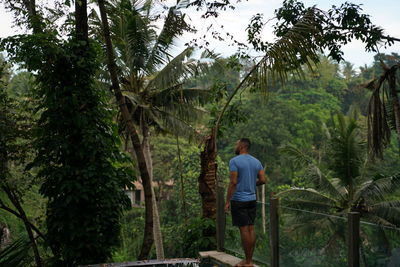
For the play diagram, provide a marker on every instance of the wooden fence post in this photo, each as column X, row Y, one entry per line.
column 263, row 209
column 274, row 230
column 354, row 239
column 221, row 219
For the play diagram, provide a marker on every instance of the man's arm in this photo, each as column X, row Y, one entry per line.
column 231, row 189
column 261, row 178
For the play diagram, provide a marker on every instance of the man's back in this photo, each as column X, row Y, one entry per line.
column 247, row 168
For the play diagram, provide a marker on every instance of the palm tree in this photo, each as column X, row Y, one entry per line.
column 340, row 183
column 155, row 86
column 283, row 58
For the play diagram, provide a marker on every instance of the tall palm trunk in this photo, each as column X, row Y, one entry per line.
column 148, row 238
column 208, row 185
column 134, row 136
column 156, row 218
column 208, row 178
column 183, row 201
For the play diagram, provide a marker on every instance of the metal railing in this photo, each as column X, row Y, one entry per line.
column 278, row 248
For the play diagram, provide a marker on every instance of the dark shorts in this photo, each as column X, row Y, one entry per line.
column 243, row 213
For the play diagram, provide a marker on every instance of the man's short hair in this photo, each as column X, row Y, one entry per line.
column 246, row 142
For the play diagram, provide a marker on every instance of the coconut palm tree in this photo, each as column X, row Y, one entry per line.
column 339, row 183
column 284, row 58
column 157, row 87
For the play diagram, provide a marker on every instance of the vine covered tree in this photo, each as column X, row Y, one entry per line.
column 78, row 156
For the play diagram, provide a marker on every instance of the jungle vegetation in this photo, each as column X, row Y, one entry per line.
column 96, row 96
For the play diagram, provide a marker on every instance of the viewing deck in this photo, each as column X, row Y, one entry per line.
column 219, row 258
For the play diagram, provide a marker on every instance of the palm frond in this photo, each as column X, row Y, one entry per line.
column 387, row 204
column 346, row 150
column 314, row 172
column 314, row 224
column 179, row 94
column 309, row 205
column 173, row 73
column 133, row 100
column 324, row 183
column 185, row 111
column 131, row 32
column 16, row 254
column 296, row 156
column 136, row 36
column 173, row 27
column 308, row 194
column 172, row 124
column 288, row 54
column 384, row 216
column 376, row 190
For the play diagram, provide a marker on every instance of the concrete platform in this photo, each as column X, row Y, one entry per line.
column 220, row 257
column 149, row 263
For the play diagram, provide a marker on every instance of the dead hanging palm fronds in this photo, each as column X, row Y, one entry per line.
column 383, row 111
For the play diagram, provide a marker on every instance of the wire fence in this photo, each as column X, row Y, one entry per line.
column 310, row 238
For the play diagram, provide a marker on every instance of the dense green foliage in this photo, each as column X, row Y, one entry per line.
column 18, row 185
column 78, row 159
column 73, row 162
column 299, row 117
column 341, row 181
column 78, row 156
column 296, row 114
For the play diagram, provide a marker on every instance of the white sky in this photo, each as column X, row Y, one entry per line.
column 384, row 13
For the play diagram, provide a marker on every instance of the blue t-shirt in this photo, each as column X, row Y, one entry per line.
column 247, row 168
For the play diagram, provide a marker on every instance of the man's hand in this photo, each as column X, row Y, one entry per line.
column 227, row 207
column 261, row 178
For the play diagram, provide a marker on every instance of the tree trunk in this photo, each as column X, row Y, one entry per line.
column 207, row 179
column 134, row 136
column 183, row 201
column 15, row 201
column 156, row 218
column 35, row 21
column 81, row 20
column 33, row 227
column 12, row 196
column 148, row 197
column 35, row 24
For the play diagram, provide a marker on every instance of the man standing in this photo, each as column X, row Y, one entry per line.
column 246, row 172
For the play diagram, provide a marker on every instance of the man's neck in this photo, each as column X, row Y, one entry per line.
column 243, row 152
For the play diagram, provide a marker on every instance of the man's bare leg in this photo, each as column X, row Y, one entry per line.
column 247, row 243
column 252, row 238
